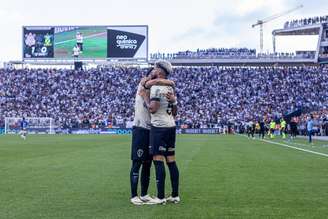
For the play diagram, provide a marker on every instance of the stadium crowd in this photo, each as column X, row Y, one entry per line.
column 306, row 21
column 210, row 53
column 208, row 96
column 277, row 55
column 223, row 53
column 320, row 121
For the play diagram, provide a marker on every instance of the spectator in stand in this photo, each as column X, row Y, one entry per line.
column 306, row 21
column 208, row 54
column 223, row 53
column 208, row 96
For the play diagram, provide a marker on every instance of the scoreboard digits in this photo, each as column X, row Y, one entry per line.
column 38, row 42
column 85, row 42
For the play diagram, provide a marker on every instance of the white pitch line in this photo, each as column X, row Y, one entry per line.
column 89, row 36
column 296, row 148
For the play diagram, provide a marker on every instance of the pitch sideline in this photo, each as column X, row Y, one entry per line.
column 289, row 146
column 296, row 148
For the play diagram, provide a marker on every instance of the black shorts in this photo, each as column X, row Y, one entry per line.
column 140, row 144
column 80, row 45
column 162, row 141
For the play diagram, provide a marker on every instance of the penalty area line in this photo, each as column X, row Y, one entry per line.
column 296, row 148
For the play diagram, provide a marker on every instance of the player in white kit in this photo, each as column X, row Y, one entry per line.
column 163, row 109
column 140, row 155
column 79, row 41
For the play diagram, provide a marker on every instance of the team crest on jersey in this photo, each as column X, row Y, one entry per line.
column 140, row 152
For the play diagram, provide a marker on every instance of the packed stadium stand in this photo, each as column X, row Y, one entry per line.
column 209, row 53
column 306, row 21
column 232, row 53
column 321, row 117
column 208, row 96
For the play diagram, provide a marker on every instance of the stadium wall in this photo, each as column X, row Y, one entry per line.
column 114, row 131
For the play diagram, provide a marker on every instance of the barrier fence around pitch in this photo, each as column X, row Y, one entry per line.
column 112, row 131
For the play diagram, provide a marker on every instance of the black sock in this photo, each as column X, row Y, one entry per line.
column 160, row 178
column 145, row 176
column 174, row 174
column 134, row 177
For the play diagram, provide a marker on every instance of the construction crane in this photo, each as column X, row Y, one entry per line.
column 268, row 19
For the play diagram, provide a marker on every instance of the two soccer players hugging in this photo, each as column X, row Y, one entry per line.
column 154, row 135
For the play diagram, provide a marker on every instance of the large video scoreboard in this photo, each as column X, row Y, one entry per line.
column 85, row 42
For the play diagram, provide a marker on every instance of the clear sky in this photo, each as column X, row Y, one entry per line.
column 174, row 25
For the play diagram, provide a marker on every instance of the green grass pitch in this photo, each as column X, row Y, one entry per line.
column 94, row 43
column 87, row 176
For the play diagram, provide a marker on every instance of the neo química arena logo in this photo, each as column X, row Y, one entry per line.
column 122, row 44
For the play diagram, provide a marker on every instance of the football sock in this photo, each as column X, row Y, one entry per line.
column 174, row 174
column 134, row 177
column 160, row 178
column 145, row 177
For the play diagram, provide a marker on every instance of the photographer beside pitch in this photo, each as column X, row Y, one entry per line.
column 163, row 109
column 140, row 140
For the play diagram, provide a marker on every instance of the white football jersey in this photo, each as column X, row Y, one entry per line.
column 141, row 113
column 163, row 117
column 76, row 51
column 79, row 38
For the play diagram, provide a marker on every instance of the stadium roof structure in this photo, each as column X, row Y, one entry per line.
column 303, row 30
column 320, row 29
